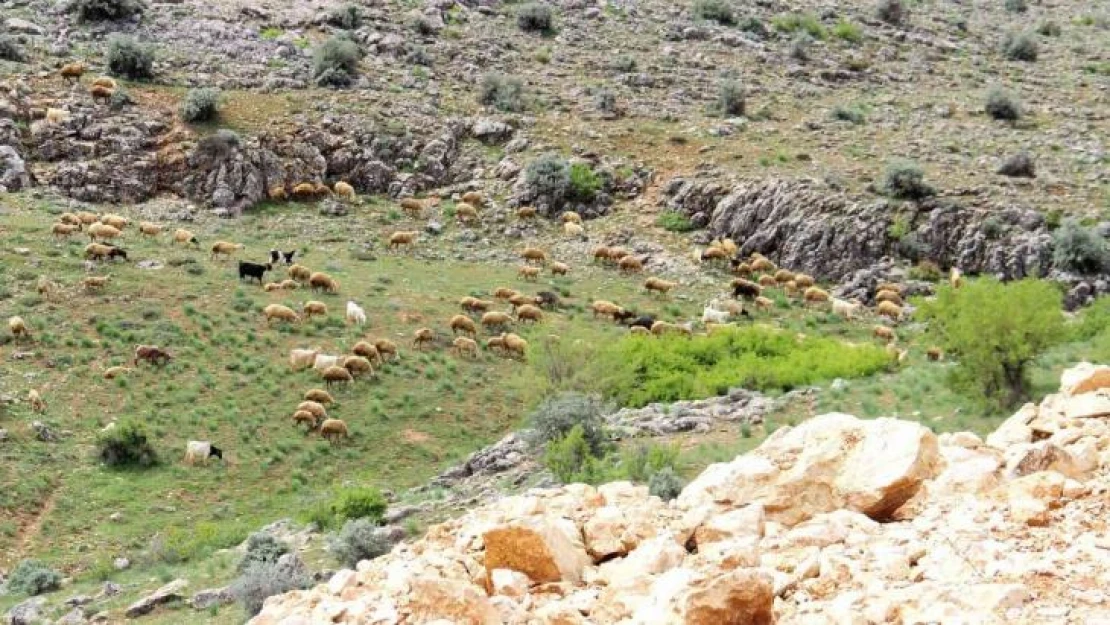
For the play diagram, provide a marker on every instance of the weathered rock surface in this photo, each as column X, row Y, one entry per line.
column 165, row 594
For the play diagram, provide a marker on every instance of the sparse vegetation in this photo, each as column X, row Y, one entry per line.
column 674, row 221
column 1049, row 28
column 1002, row 104
column 1079, row 249
column 849, row 114
column 335, row 62
column 505, row 93
column 126, row 445
column 1016, row 6
column 266, row 579
column 848, row 31
column 535, row 17
column 1020, row 47
column 714, row 10
column 201, row 105
column 106, row 10
column 799, row 22
column 262, row 548
column 1019, row 165
column 346, row 16
column 904, row 180
column 731, row 99
column 358, row 540
column 31, row 577
column 128, row 58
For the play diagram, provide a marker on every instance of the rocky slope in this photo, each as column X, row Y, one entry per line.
column 835, row 520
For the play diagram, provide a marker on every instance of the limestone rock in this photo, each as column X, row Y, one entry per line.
column 165, row 594
column 545, row 551
column 1084, row 378
column 1032, row 497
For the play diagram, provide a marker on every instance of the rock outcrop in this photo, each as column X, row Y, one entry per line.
column 835, row 520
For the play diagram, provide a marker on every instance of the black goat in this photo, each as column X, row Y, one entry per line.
column 275, row 257
column 547, row 299
column 253, row 270
column 288, row 257
column 623, row 315
column 644, row 321
column 215, row 452
column 746, row 289
column 117, row 252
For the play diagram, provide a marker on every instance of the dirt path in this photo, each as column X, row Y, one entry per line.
column 30, row 528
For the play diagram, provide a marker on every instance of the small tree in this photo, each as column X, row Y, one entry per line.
column 993, row 350
column 665, row 484
column 548, row 179
column 358, row 540
column 1002, row 104
column 262, row 547
column 570, row 458
column 505, row 93
column 361, row 502
column 1075, row 248
column 31, row 577
column 126, row 57
column 266, row 579
column 730, row 98
column 1020, row 47
column 535, row 17
column 557, row 416
column 904, row 180
column 335, row 62
column 126, row 445
column 201, row 105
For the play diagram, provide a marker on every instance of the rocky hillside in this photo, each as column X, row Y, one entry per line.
column 836, row 519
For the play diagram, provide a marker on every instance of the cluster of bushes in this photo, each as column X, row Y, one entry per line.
column 31, row 577
column 799, row 22
column 106, row 10
column 347, row 16
column 554, row 181
column 674, row 221
column 358, row 502
column 731, row 99
column 263, row 572
column 1079, row 249
column 904, row 180
column 126, row 445
column 130, row 59
column 505, row 93
column 201, row 105
column 335, row 62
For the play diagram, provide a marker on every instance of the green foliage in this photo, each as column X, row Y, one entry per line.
column 666, row 484
column 266, row 579
column 31, row 577
column 556, row 416
column 201, row 105
column 360, row 502
column 262, row 547
column 643, row 460
column 926, row 270
column 1053, row 219
column 548, row 178
column 535, row 17
column 584, row 183
column 347, row 16
column 993, row 351
column 335, row 62
column 899, row 227
column 126, row 57
column 674, row 221
column 126, row 445
column 570, row 459
column 891, row 11
column 505, row 93
column 1020, row 47
column 1002, row 104
column 10, row 50
column 640, row 370
column 270, row 33
column 794, row 22
column 1079, row 249
column 106, row 10
column 1016, row 6
column 849, row 114
column 731, row 98
column 716, row 10
column 625, row 64
column 848, row 31
column 358, row 540
column 904, row 180
column 1093, row 320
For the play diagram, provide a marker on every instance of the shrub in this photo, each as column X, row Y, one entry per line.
column 891, row 11
column 201, row 105
column 606, row 101
column 849, row 114
column 994, row 351
column 126, row 445
column 535, row 17
column 1002, row 104
column 584, row 183
column 548, row 179
column 666, row 484
column 556, row 416
column 505, row 93
column 217, row 145
column 730, row 98
column 335, row 62
column 799, row 47
column 1093, row 320
column 1049, row 28
column 754, row 26
column 1019, row 165
column 31, row 577
column 358, row 540
column 716, row 10
column 266, row 579
column 1020, row 47
column 640, row 462
column 262, row 547
column 10, row 49
column 126, row 57
column 570, row 459
column 1053, row 219
column 795, row 22
column 1078, row 249
column 674, row 221
column 624, row 64
column 106, row 10
column 848, row 31
column 347, row 16
column 120, row 98
column 926, row 270
column 423, row 26
column 360, row 502
column 992, row 228
column 1016, row 6
column 904, row 180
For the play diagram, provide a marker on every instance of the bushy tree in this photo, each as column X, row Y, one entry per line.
column 1020, row 47
column 993, row 351
column 126, row 445
column 665, row 484
column 731, row 99
column 535, row 17
column 201, row 105
column 31, row 577
column 335, row 62
column 347, row 16
column 548, row 179
column 1019, row 165
column 556, row 416
column 570, row 458
column 358, row 540
column 1079, row 249
column 1002, row 104
column 262, row 547
column 360, row 502
column 265, row 579
column 904, row 180
column 106, row 10
column 128, row 58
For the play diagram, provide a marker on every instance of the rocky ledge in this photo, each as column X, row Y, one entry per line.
column 835, row 520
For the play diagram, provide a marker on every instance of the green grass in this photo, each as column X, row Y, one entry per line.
column 793, row 22
column 848, row 31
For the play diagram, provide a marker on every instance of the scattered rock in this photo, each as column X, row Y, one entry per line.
column 204, row 599
column 29, row 612
column 165, row 594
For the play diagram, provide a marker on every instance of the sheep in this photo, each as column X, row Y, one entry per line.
column 547, row 299
column 883, row 332
column 333, row 430
column 711, row 315
column 659, row 328
column 782, row 276
column 412, row 206
column 890, row 286
column 571, row 217
column 464, row 324
column 529, row 312
column 104, row 81
column 461, row 345
column 253, row 271
column 148, row 229
column 559, row 269
column 639, row 331
column 606, row 308
column 289, row 285
column 63, row 231
column 601, row 253
column 94, row 282
column 616, row 254
column 72, row 70
column 804, row 281
column 55, row 116
column 300, row 273
column 762, row 263
column 519, row 300
column 336, row 375
column 302, row 358
column 474, row 198
column 790, row 289
column 729, row 246
column 888, row 296
column 764, row 303
column 112, row 373
column 528, row 273
column 746, row 289
column 514, row 344
column 367, row 351
column 659, row 285
column 277, row 193
column 313, row 307
column 38, row 404
column 320, row 281
column 643, row 321
column 87, row 218
column 496, row 319
column 355, row 314
column 844, row 308
column 281, row 313
column 504, row 293
column 184, row 236
column 201, row 451
column 71, row 219
column 316, row 409
column 357, row 365
column 151, row 353
column 496, row 342
column 526, row 212
column 46, row 288
column 386, row 347
column 711, row 254
column 767, row 281
column 323, row 362
column 103, row 232
column 534, row 254
column 934, row 354
column 814, row 294
column 465, row 213
column 225, row 248
column 272, row 286
column 571, row 229
column 116, row 221
column 630, row 264
column 96, row 251
column 397, row 239
column 955, row 278
column 345, row 191
column 305, row 417
column 741, row 268
column 304, row 191
column 101, row 93
column 423, row 336
column 319, row 396
column 473, row 304
column 889, row 309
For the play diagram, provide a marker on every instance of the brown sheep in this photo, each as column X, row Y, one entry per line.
column 63, row 231
column 300, row 273
column 890, row 310
column 386, row 347
column 782, row 276
column 813, row 295
column 104, row 81
column 334, row 430
column 462, row 323
column 281, row 313
column 92, row 283
column 321, row 190
column 465, row 213
column 639, row 330
column 496, row 319
column 319, row 396
column 474, row 198
column 571, row 217
column 313, row 307
column 414, row 207
column 630, row 264
column 804, row 281
column 572, row 229
column 277, row 193
column 473, row 304
column 406, row 238
column 72, row 71
column 496, row 342
column 606, row 309
column 289, row 285
column 883, row 332
column 890, row 286
column 184, row 236
column 315, row 408
column 659, row 285
column 224, row 248
column 461, row 345
column 358, row 365
column 321, row 281
column 71, row 219
column 713, row 254
column 38, row 404
column 103, row 232
column 87, row 218
column 742, row 269
column 526, row 212
column 116, row 221
column 529, row 312
column 616, row 254
column 336, row 375
column 367, row 351
column 46, row 287
column 504, row 293
column 150, row 229
column 934, row 354
column 18, row 327
column 422, row 337
column 790, row 288
column 151, row 353
column 528, row 273
column 601, row 253
column 99, row 93
column 762, row 263
column 96, row 251
column 764, row 303
column 112, row 373
column 514, row 344
column 304, row 191
column 345, row 191
column 559, row 269
column 767, row 281
column 305, row 417
column 272, row 286
column 533, row 254
column 888, row 296
column 519, row 299
column 659, row 328
column 745, row 288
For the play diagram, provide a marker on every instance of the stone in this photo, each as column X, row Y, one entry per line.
column 544, row 550
column 508, row 583
column 28, row 612
column 1031, row 497
column 20, row 26
column 742, row 522
column 1088, row 405
column 165, row 594
column 341, row 581
column 432, row 599
column 209, row 597
column 1084, row 378
column 76, row 616
column 1044, row 456
column 603, row 533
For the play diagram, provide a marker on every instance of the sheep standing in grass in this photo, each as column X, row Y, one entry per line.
column 803, row 281
column 528, row 272
column 98, row 251
column 496, row 319
column 767, row 281
column 422, row 337
column 764, row 303
column 514, row 344
column 281, row 313
column 305, row 417
column 345, row 191
column 93, row 283
column 118, row 222
column 334, row 430
column 889, row 310
column 323, row 362
column 63, row 231
column 521, row 299
column 38, row 404
column 289, row 285
column 321, row 281
column 601, row 253
column 746, row 289
column 277, row 193
column 474, row 198
column 713, row 254
column 367, row 351
column 103, row 232
column 559, row 269
column 464, row 324
column 763, row 264
column 87, row 218
column 304, row 191
column 18, row 327
column 659, row 285
column 504, row 293
column 617, row 254
column 184, row 236
column 526, row 212
column 319, row 396
column 814, row 295
column 606, row 309
column 357, row 366
column 462, row 345
column 571, row 217
column 386, row 347
column 112, row 373
column 844, row 308
column 465, row 213
column 883, row 332
column 534, row 255
column 336, row 375
column 495, row 343
column 888, row 296
column 47, row 288
column 741, row 268
column 151, row 353
column 272, row 286
column 201, row 451
column 72, row 72
column 406, row 238
column 782, row 276
column 315, row 408
column 355, row 314
column 302, row 358
column 529, row 313
column 225, row 249
column 99, row 94
column 474, row 305
column 313, row 307
column 955, row 278
column 149, row 229
column 630, row 264
column 574, row 230
column 300, row 273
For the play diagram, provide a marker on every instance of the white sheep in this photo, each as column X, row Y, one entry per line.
column 844, row 308
column 323, row 361
column 712, row 315
column 355, row 314
column 302, row 358
column 201, row 451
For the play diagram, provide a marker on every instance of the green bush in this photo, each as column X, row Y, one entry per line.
column 904, row 180
column 716, row 10
column 1002, row 104
column 505, row 93
column 106, row 10
column 126, row 445
column 730, row 98
column 640, row 462
column 571, row 460
column 10, row 50
column 535, row 17
column 794, row 22
column 360, row 502
column 926, row 270
column 848, row 31
column 1016, row 6
column 126, row 57
column 347, row 16
column 358, row 540
column 674, row 221
column 639, row 370
column 1093, row 320
column 262, row 547
column 666, row 484
column 201, row 105
column 849, row 114
column 31, row 577
column 335, row 62
column 1019, row 165
column 1049, row 28
column 556, row 416
column 584, row 183
column 993, row 351
column 1020, row 47
column 1078, row 249
column 891, row 11
column 548, row 179
column 266, row 579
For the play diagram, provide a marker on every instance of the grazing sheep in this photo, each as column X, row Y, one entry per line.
column 320, row 281
column 465, row 213
column 504, row 293
column 319, row 396
column 423, row 336
column 639, row 331
column 112, row 373
column 273, row 286
column 559, row 269
column 473, row 304
column 313, row 307
column 572, row 229
column 253, row 271
column 281, row 313
column 323, row 362
column 118, row 222
column 104, row 81
column 934, row 354
column 659, row 285
column 358, row 365
column 304, row 191
column 883, row 332
column 464, row 324
column 890, row 310
column 461, row 345
column 601, row 253
column 630, row 264
column 659, row 328
column 644, row 321
column 321, row 190
column 814, row 294
column 496, row 342
column 302, row 358
column 514, row 344
column 888, row 296
column 528, row 272
column 367, row 351
column 804, row 281
column 571, row 217
column 606, row 309
column 764, row 303
column 99, row 93
column 474, row 198
column 224, row 248
column 520, row 299
column 708, row 315
column 530, row 313
column 63, row 231
column 782, row 276
column 305, row 417
column 46, row 287
column 533, row 254
column 71, row 219
column 201, row 451
column 547, row 299
column 337, row 375
column 289, row 285
column 299, row 273
column 406, row 238
column 92, row 283
column 314, row 408
column 729, row 246
column 97, row 251
column 767, row 281
column 790, row 289
column 412, row 206
column 184, row 236
column 495, row 319
column 844, row 308
column 149, row 229
column 526, row 212
column 72, row 71
column 741, row 268
column 763, row 264
column 87, row 218
column 955, row 278
column 277, row 193
column 103, row 232
column 713, row 254
column 617, row 254
column 333, row 430
column 386, row 347
column 746, row 289
column 355, row 314
column 151, row 353
column 345, row 191
column 890, row 286
column 38, row 404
